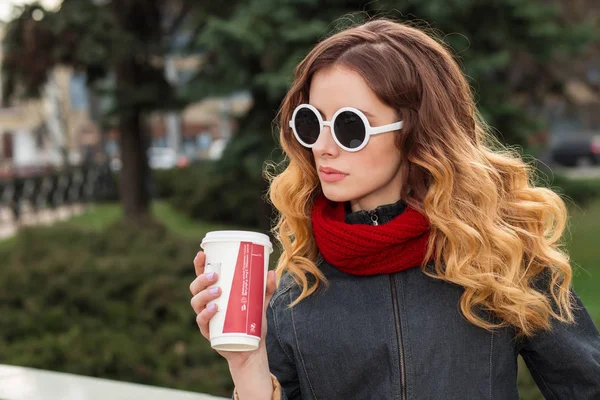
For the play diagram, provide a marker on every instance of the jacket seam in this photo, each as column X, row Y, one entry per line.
column 404, row 329
column 300, row 353
column 539, row 374
column 282, row 291
column 491, row 365
column 395, row 355
column 278, row 336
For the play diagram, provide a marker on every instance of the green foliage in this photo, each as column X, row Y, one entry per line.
column 80, row 34
column 257, row 46
column 184, row 187
column 27, row 55
column 106, row 304
column 528, row 389
column 88, row 38
column 94, row 39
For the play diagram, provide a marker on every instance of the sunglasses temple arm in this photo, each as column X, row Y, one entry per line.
column 386, row 128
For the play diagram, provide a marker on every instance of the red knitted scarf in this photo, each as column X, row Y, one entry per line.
column 361, row 249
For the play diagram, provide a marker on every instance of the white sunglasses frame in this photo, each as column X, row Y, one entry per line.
column 369, row 130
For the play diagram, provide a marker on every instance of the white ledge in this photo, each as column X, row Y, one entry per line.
column 19, row 383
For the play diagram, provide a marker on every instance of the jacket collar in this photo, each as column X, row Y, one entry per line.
column 381, row 214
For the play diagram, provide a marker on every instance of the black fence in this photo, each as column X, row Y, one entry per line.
column 33, row 195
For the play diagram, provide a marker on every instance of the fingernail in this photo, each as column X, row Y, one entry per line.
column 210, row 276
column 197, row 254
column 211, row 308
column 214, row 290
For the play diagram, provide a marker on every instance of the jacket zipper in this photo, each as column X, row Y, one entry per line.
column 399, row 334
column 375, row 220
column 374, row 217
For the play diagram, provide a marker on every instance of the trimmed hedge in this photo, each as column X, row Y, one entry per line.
column 203, row 194
column 114, row 305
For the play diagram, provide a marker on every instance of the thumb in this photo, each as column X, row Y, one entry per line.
column 271, row 286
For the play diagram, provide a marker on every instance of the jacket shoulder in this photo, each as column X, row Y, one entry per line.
column 286, row 284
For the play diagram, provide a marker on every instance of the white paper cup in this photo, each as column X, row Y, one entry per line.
column 241, row 260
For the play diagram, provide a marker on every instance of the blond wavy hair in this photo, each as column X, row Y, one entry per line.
column 492, row 231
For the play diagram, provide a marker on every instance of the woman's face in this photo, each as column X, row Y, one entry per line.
column 371, row 176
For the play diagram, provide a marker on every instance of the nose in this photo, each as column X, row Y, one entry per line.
column 325, row 146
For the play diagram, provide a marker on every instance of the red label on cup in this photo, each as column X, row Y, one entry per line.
column 244, row 310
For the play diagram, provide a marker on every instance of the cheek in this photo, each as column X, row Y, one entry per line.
column 377, row 159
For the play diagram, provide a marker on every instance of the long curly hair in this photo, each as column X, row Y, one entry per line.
column 492, row 231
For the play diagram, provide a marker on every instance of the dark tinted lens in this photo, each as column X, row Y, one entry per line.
column 349, row 129
column 307, row 125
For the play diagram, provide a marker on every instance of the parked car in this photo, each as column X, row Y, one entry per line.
column 577, row 151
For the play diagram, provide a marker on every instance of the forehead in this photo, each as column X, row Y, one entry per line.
column 336, row 87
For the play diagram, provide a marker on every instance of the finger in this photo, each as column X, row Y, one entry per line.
column 203, row 319
column 202, row 282
column 199, row 262
column 200, row 300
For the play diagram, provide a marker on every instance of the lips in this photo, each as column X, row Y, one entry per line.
column 328, row 170
column 328, row 174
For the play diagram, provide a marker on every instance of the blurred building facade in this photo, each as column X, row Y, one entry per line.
column 50, row 131
column 63, row 126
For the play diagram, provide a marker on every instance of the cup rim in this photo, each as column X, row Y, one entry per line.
column 220, row 236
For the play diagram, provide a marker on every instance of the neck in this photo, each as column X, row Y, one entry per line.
column 380, row 215
column 367, row 204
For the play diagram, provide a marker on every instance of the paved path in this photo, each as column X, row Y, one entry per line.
column 8, row 227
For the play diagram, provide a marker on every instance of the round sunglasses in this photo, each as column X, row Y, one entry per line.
column 350, row 128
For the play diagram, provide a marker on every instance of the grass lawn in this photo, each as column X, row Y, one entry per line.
column 584, row 246
column 102, row 215
column 105, row 214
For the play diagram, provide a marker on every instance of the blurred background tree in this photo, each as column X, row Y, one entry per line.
column 120, row 39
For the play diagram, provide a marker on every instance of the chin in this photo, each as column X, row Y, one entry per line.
column 338, row 195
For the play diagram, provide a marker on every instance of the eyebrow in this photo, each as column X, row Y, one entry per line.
column 367, row 114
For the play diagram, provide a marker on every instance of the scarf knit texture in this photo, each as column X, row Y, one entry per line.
column 361, row 249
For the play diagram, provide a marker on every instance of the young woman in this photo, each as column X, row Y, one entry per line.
column 418, row 259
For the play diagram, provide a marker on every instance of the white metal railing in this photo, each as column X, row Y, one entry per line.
column 19, row 383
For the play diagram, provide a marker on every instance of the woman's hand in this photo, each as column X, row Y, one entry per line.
column 201, row 296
